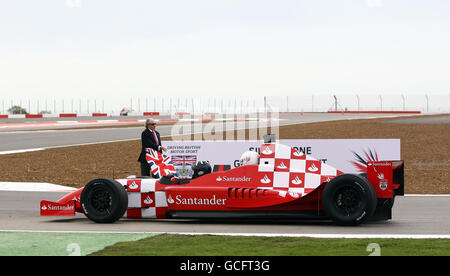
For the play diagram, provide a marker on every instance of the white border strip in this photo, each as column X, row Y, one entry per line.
column 33, row 187
column 20, row 151
column 64, row 146
column 320, row 236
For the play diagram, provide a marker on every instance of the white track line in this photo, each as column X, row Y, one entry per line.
column 33, row 187
column 319, row 236
column 20, row 151
column 65, row 146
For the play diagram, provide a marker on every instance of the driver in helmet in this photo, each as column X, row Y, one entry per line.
column 249, row 158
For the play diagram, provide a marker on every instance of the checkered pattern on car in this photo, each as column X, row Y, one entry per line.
column 285, row 168
column 143, row 200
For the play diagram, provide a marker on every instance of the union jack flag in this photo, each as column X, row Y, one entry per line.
column 184, row 160
column 160, row 164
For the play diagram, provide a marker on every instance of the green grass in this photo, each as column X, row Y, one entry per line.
column 59, row 244
column 210, row 245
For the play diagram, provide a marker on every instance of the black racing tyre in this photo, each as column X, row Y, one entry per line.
column 349, row 199
column 104, row 200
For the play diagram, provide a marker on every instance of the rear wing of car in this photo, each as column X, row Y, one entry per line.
column 387, row 177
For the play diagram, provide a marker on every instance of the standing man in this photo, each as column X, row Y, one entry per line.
column 150, row 139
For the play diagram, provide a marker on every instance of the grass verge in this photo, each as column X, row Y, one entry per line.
column 212, row 245
column 60, row 243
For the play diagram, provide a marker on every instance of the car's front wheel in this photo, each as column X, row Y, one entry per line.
column 104, row 200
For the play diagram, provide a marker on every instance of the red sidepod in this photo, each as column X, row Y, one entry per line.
column 224, row 199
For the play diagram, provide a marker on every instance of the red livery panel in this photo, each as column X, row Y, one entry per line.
column 380, row 174
column 49, row 208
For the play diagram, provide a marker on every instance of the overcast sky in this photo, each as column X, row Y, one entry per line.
column 104, row 48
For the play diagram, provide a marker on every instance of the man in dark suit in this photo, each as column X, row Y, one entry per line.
column 150, row 139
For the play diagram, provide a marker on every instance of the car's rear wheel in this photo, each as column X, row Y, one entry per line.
column 349, row 199
column 104, row 200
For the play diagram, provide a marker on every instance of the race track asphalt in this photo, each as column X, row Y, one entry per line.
column 412, row 215
column 21, row 139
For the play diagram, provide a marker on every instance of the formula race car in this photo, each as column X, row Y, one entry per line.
column 281, row 182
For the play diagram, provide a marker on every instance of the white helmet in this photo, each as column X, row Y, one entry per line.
column 249, row 158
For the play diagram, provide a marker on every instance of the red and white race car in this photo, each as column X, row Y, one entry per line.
column 282, row 183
